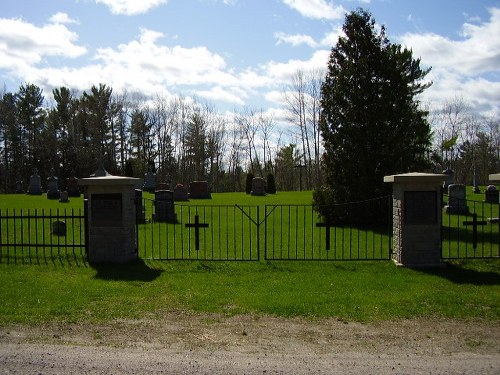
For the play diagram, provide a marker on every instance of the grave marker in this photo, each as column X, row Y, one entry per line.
column 258, row 186
column 35, row 185
column 199, row 190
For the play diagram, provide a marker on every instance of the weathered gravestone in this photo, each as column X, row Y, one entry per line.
column 163, row 186
column 491, row 195
column 35, row 186
column 164, row 206
column 72, row 187
column 53, row 188
column 199, row 190
column 58, row 228
column 19, row 187
column 258, row 186
column 180, row 193
column 149, row 182
column 457, row 203
column 495, row 178
column 64, row 197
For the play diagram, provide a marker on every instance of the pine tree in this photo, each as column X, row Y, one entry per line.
column 371, row 123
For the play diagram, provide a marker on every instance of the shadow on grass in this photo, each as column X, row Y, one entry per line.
column 460, row 275
column 136, row 270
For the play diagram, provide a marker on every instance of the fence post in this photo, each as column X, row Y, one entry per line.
column 416, row 218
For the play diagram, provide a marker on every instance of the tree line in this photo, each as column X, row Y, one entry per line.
column 179, row 139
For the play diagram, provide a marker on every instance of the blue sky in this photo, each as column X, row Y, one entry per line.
column 237, row 53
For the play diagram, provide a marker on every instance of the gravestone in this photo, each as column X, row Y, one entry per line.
column 111, row 228
column 457, row 203
column 416, row 220
column 35, row 185
column 495, row 178
column 150, row 182
column 72, row 187
column 164, row 206
column 19, row 187
column 163, row 186
column 180, row 193
column 59, row 228
column 53, row 188
column 64, row 197
column 491, row 194
column 258, row 186
column 199, row 190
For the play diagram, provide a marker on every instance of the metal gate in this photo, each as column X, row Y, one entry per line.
column 252, row 233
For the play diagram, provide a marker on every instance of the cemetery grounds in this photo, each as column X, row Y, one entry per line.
column 261, row 313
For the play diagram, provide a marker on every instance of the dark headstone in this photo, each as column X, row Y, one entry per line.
column 150, row 182
column 457, row 203
column 64, row 197
column 19, row 187
column 180, row 193
column 53, row 188
column 72, row 187
column 491, row 195
column 163, row 186
column 199, row 190
column 59, row 228
column 258, row 186
column 35, row 186
column 164, row 206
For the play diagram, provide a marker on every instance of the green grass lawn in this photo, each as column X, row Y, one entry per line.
column 63, row 291
column 351, row 291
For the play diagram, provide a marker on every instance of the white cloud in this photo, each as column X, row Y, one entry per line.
column 459, row 66
column 478, row 52
column 62, row 18
column 23, row 44
column 295, row 40
column 221, row 94
column 131, row 7
column 317, row 9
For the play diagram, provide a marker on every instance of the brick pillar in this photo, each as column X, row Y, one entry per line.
column 111, row 218
column 416, row 218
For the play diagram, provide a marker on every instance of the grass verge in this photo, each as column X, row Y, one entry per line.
column 351, row 291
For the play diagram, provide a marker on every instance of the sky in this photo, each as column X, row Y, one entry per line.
column 239, row 53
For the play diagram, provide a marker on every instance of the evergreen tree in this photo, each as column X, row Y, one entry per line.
column 371, row 123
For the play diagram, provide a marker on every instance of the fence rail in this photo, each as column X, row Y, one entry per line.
column 42, row 235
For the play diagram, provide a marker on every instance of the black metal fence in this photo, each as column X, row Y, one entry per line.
column 42, row 235
column 242, row 233
column 252, row 233
column 471, row 235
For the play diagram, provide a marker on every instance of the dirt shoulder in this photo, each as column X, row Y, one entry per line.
column 203, row 343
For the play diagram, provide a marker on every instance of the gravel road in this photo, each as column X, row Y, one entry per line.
column 181, row 343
